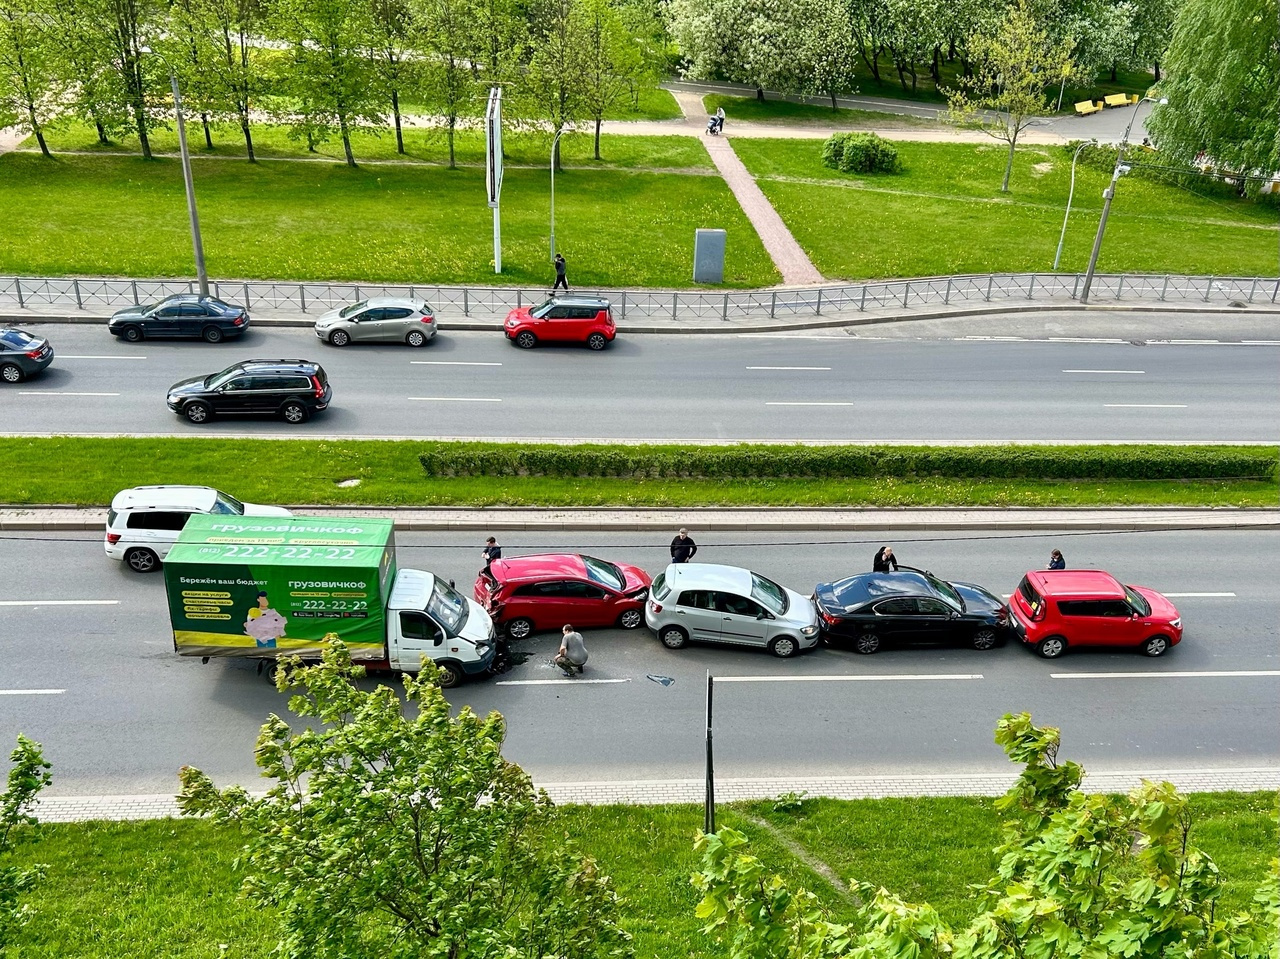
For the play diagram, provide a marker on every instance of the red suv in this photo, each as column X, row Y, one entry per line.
column 562, row 319
column 1056, row 608
column 548, row 590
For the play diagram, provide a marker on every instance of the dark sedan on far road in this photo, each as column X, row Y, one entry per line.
column 186, row 315
column 908, row 607
column 22, row 354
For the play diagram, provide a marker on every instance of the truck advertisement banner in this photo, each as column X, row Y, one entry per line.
column 268, row 586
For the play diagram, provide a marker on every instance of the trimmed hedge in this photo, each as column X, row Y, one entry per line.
column 864, row 462
column 858, row 152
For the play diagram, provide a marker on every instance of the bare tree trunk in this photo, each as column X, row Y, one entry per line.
column 395, row 110
column 759, row 94
column 453, row 122
column 1113, row 73
column 102, row 133
column 598, row 119
column 935, row 67
column 208, row 137
column 244, row 128
column 1008, row 166
column 833, row 99
column 346, row 138
column 36, row 128
column 1157, row 64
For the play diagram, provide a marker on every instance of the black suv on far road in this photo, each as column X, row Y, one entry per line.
column 293, row 389
column 186, row 315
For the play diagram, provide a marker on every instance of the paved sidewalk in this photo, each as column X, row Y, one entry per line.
column 53, row 809
column 16, row 518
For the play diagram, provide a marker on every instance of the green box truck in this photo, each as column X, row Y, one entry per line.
column 263, row 587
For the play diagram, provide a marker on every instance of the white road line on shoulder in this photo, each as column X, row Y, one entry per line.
column 1145, row 406
column 52, row 393
column 448, row 363
column 787, row 336
column 1129, row 372
column 893, row 678
column 452, row 399
column 827, row 368
column 85, row 356
column 1084, row 339
column 1001, row 339
column 1200, row 595
column 808, row 404
column 59, row 602
column 1260, row 342
column 556, row 682
column 31, row 692
column 1203, row 674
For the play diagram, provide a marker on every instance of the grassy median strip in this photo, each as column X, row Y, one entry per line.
column 170, row 889
column 89, row 471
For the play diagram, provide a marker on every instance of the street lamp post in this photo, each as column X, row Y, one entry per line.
column 554, row 144
column 202, row 277
column 1057, row 257
column 1109, row 194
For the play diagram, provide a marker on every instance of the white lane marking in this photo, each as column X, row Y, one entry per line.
column 85, row 356
column 789, row 368
column 1130, row 372
column 1199, row 595
column 31, row 692
column 556, row 682
column 1084, row 339
column 52, row 393
column 1002, row 339
column 1208, row 673
column 905, row 677
column 452, row 399
column 1260, row 342
column 808, row 404
column 60, row 602
column 448, row 363
column 1145, row 406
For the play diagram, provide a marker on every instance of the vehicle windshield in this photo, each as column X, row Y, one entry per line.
column 354, row 308
column 540, row 310
column 227, row 505
column 768, row 594
column 448, row 608
column 16, row 339
column 946, row 591
column 1137, row 601
column 606, row 574
column 214, row 380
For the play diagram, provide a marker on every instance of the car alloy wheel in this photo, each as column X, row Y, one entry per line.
column 212, row 334
column 294, row 412
column 784, row 647
column 416, row 338
column 1052, row 647
column 196, row 412
column 526, row 340
column 10, row 373
column 673, row 637
column 141, row 560
column 520, row 628
column 867, row 643
column 597, row 341
column 1156, row 646
column 132, row 333
column 985, row 639
column 449, row 675
column 339, row 338
column 630, row 619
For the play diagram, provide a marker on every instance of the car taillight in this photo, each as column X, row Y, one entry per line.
column 828, row 618
column 315, row 381
column 113, row 538
column 655, row 607
column 1002, row 616
column 35, row 354
column 238, row 321
column 428, row 318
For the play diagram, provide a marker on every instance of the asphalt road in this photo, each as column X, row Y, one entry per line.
column 687, row 387
column 128, row 712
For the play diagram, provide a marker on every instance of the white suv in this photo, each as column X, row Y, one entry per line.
column 144, row 522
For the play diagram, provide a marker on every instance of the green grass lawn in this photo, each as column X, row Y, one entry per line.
column 785, row 111
column 944, row 214
column 169, row 888
column 397, row 223
column 89, row 471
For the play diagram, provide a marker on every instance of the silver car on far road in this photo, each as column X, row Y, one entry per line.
column 699, row 602
column 382, row 319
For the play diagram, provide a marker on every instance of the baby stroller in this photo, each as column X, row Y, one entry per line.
column 715, row 125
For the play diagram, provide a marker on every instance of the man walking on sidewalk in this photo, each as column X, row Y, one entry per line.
column 561, row 279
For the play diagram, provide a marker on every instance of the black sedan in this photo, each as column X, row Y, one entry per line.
column 908, row 607
column 185, row 315
column 22, row 354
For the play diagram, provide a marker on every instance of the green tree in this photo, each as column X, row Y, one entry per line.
column 127, row 21
column 28, row 774
column 1013, row 66
column 743, row 41
column 613, row 63
column 1095, row 877
column 83, row 42
column 827, row 49
column 389, row 50
column 397, row 837
column 30, row 81
column 444, row 36
column 1223, row 84
column 551, row 87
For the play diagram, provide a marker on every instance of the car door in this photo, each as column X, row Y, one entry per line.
column 695, row 610
column 395, row 324
column 555, row 325
column 364, row 326
column 581, row 320
column 743, row 621
column 418, row 638
column 543, row 603
column 163, row 322
column 156, row 529
column 585, row 604
column 894, row 620
column 235, row 396
column 1120, row 625
column 932, row 622
column 1082, row 622
column 190, row 320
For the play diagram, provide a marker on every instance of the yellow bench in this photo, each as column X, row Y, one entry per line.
column 1121, row 100
column 1085, row 107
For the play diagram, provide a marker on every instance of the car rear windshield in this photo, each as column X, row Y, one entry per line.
column 1137, row 601
column 606, row 574
column 16, row 339
column 448, row 608
column 768, row 594
column 228, row 505
column 660, row 589
column 353, row 308
column 217, row 306
column 1035, row 602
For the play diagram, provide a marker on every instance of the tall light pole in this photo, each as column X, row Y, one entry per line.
column 1109, row 194
column 1057, row 257
column 554, row 144
column 202, row 277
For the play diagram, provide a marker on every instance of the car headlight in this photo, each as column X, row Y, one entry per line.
column 1177, row 623
column 513, row 322
column 810, row 630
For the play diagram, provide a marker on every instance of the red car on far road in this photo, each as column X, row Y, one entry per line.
column 562, row 319
column 548, row 590
column 1053, row 609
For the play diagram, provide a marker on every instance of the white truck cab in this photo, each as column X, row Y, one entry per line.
column 428, row 620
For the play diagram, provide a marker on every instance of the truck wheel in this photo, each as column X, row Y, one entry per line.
column 450, row 675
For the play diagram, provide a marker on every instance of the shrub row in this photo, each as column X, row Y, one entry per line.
column 860, row 153
column 865, row 462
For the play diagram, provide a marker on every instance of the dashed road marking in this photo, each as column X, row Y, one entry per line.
column 85, row 356
column 1201, row 595
column 882, row 678
column 453, row 399
column 556, row 682
column 59, row 602
column 808, row 404
column 1145, row 406
column 1128, row 372
column 1168, row 674
column 53, row 393
column 814, row 368
column 31, row 692
column 448, row 363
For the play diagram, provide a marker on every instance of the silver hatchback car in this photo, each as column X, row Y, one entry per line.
column 382, row 319
column 699, row 602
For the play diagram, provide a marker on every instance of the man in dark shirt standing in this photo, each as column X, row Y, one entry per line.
column 884, row 561
column 491, row 552
column 683, row 547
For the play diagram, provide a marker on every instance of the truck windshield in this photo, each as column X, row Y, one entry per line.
column 448, row 608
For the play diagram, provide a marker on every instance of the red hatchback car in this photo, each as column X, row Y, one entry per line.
column 548, row 590
column 1054, row 609
column 562, row 319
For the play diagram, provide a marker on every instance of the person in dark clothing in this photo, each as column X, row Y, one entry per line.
column 490, row 552
column 561, row 279
column 884, row 561
column 1056, row 561
column 683, row 547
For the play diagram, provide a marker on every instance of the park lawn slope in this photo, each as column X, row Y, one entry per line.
column 169, row 888
column 89, row 471
column 944, row 214
column 379, row 223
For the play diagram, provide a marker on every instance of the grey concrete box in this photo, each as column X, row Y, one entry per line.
column 708, row 256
